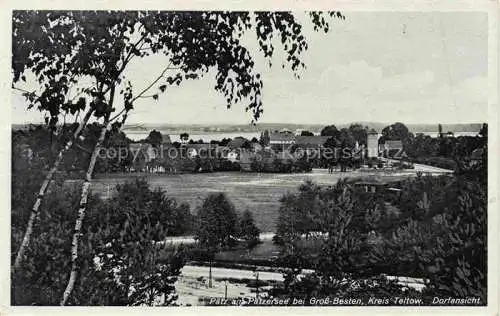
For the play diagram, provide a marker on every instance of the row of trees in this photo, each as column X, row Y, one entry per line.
column 346, row 137
column 436, row 231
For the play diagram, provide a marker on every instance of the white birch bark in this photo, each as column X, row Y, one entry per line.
column 81, row 215
column 43, row 190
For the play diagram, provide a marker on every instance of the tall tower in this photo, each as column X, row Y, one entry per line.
column 372, row 143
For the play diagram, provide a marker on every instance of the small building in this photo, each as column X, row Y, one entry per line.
column 393, row 145
column 281, row 138
column 311, row 141
column 372, row 184
column 201, row 150
column 392, row 148
column 238, row 142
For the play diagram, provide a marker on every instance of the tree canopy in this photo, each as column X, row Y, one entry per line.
column 216, row 222
column 396, row 131
column 154, row 138
column 330, row 130
column 98, row 45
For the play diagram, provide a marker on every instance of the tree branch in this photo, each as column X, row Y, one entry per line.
column 152, row 83
column 118, row 114
column 126, row 60
column 25, row 91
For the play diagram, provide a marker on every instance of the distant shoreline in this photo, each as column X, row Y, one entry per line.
column 204, row 129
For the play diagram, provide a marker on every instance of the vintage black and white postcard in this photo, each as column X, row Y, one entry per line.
column 240, row 158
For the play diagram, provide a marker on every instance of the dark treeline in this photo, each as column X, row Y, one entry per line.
column 436, row 230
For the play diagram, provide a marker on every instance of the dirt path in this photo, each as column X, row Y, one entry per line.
column 177, row 240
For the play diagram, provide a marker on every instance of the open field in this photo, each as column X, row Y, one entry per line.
column 258, row 192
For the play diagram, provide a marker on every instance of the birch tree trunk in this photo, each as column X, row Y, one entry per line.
column 83, row 203
column 81, row 215
column 43, row 191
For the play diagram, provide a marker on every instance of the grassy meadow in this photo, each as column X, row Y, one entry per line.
column 258, row 192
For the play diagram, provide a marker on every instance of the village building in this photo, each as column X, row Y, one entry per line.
column 283, row 138
column 205, row 150
column 393, row 145
column 238, row 142
column 392, row 148
column 315, row 142
column 373, row 184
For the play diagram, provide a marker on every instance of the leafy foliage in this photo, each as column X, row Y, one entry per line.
column 99, row 44
column 346, row 236
column 123, row 235
column 154, row 138
column 43, row 275
column 444, row 241
column 124, row 227
column 216, row 222
column 330, row 130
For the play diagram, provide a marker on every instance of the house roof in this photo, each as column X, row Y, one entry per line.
column 373, row 180
column 281, row 137
column 311, row 140
column 237, row 142
column 201, row 146
column 394, row 144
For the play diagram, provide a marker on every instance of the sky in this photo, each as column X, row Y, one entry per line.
column 412, row 67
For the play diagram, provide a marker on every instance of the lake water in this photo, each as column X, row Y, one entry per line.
column 207, row 137
column 136, row 135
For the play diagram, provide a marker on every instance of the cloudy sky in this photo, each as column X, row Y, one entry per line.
column 384, row 67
